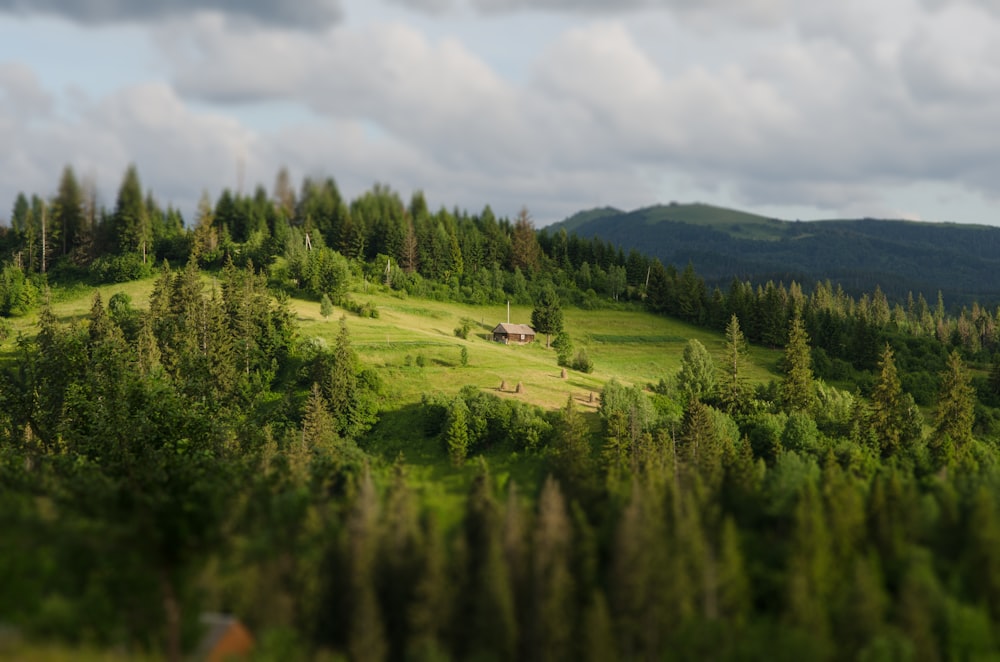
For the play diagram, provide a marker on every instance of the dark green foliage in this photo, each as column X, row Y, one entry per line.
column 325, row 305
column 547, row 316
column 797, row 391
column 696, row 378
column 199, row 457
column 582, row 362
column 17, row 293
column 563, row 345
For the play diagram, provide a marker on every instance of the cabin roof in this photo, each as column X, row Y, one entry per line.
column 514, row 329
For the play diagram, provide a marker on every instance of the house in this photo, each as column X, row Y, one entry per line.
column 506, row 333
column 225, row 638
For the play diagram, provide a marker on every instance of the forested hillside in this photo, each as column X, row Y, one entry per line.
column 900, row 257
column 291, row 410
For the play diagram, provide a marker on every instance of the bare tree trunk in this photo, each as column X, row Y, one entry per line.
column 172, row 613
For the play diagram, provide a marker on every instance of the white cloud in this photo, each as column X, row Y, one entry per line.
column 834, row 106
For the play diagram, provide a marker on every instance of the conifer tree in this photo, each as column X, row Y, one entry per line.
column 67, row 212
column 696, row 378
column 733, row 390
column 457, row 431
column 890, row 417
column 525, row 252
column 797, row 391
column 366, row 638
column 552, row 581
column 490, row 626
column 547, row 316
column 130, row 223
column 955, row 412
column 570, row 451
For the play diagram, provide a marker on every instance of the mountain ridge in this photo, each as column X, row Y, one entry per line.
column 900, row 256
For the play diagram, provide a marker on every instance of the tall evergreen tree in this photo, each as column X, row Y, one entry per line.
column 797, row 392
column 733, row 389
column 525, row 251
column 955, row 412
column 547, row 316
column 890, row 417
column 696, row 377
column 67, row 212
column 129, row 223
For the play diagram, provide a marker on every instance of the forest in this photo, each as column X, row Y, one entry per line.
column 196, row 450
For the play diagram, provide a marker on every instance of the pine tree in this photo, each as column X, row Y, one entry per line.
column 955, row 412
column 325, row 306
column 366, row 638
column 129, row 222
column 696, row 378
column 552, row 581
column 525, row 251
column 888, row 418
column 547, row 317
column 797, row 391
column 67, row 212
column 733, row 390
column 457, row 431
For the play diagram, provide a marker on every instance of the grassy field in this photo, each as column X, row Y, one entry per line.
column 629, row 345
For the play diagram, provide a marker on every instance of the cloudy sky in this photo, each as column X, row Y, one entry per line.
column 786, row 108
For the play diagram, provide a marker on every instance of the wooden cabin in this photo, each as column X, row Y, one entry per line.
column 507, row 333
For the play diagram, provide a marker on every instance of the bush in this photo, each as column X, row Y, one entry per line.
column 564, row 348
column 421, row 360
column 582, row 362
column 17, row 293
column 120, row 268
column 462, row 331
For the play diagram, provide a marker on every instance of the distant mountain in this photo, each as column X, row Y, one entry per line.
column 961, row 261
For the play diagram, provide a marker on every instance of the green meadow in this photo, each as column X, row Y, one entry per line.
column 413, row 346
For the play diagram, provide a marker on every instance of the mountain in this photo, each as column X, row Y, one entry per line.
column 960, row 261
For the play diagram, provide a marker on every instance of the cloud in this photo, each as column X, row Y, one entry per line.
column 300, row 13
column 21, row 91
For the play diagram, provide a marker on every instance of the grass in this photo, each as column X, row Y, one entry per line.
column 631, row 346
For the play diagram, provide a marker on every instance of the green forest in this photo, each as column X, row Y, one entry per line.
column 287, row 409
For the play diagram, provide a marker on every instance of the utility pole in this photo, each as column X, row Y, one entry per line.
column 43, row 237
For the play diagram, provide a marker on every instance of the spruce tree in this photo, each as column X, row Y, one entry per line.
column 955, row 412
column 457, row 431
column 733, row 390
column 797, row 392
column 547, row 317
column 888, row 410
column 552, row 579
column 696, row 378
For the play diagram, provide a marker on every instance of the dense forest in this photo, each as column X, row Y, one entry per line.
column 196, row 452
column 898, row 256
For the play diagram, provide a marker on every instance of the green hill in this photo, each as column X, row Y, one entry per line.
column 961, row 261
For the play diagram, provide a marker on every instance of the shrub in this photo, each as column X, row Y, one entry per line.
column 582, row 362
column 564, row 348
column 120, row 268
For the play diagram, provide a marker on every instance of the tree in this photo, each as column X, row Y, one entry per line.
column 525, row 251
column 129, row 223
column 797, row 392
column 547, row 317
column 955, row 412
column 733, row 389
column 325, row 306
column 456, row 435
column 67, row 212
column 892, row 418
column 696, row 378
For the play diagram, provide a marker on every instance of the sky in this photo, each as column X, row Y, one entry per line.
column 790, row 109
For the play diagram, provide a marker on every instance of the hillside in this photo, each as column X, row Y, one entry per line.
column 961, row 261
